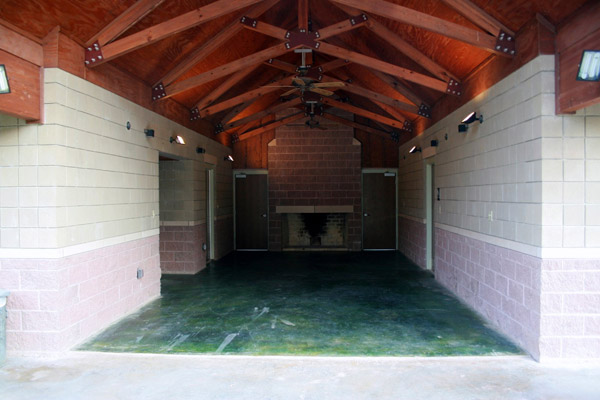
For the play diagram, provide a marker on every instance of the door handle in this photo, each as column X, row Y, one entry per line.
column 365, row 214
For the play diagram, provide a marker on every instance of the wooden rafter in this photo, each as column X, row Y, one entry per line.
column 303, row 12
column 380, row 98
column 341, row 27
column 422, row 20
column 267, row 29
column 399, row 87
column 223, row 70
column 363, row 112
column 215, row 43
column 171, row 27
column 383, row 66
column 233, row 80
column 279, row 106
column 123, row 22
column 261, row 91
column 271, row 126
column 235, row 111
column 479, row 17
column 356, row 125
column 328, row 66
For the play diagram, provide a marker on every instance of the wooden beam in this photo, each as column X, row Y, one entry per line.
column 233, row 80
column 169, row 28
column 261, row 91
column 383, row 66
column 380, row 98
column 328, row 66
column 235, row 111
column 363, row 112
column 303, row 14
column 479, row 17
column 215, row 43
column 422, row 20
column 267, row 29
column 356, row 125
column 271, row 126
column 25, row 81
column 341, row 27
column 21, row 46
column 223, row 70
column 123, row 22
column 256, row 116
column 399, row 87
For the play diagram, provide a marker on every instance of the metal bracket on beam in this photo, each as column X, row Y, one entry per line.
column 235, row 138
column 251, row 22
column 359, row 19
column 408, row 126
column 425, row 110
column 194, row 114
column 158, row 91
column 218, row 129
column 395, row 136
column 93, row 54
column 302, row 38
column 454, row 87
column 506, row 43
column 312, row 73
column 317, row 110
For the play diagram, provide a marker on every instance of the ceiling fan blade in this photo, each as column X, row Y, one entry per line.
column 321, row 91
column 298, row 81
column 289, row 92
column 328, row 84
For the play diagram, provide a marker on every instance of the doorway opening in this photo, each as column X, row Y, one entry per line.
column 429, row 215
column 379, row 204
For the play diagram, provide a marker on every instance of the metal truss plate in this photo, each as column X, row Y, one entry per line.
column 454, row 87
column 359, row 19
column 251, row 22
column 194, row 114
column 505, row 43
column 158, row 91
column 302, row 38
column 425, row 110
column 93, row 54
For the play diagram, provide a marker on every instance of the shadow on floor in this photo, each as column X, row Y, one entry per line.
column 376, row 304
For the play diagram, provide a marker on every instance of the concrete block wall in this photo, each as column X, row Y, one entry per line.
column 517, row 198
column 311, row 167
column 76, row 193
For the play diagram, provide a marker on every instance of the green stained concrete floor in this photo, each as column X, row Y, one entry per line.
column 341, row 304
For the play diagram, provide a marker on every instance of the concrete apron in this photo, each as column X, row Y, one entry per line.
column 89, row 375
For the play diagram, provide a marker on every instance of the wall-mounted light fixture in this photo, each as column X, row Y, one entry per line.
column 414, row 149
column 149, row 132
column 176, row 139
column 589, row 67
column 228, row 157
column 434, row 143
column 200, row 150
column 4, row 85
column 469, row 119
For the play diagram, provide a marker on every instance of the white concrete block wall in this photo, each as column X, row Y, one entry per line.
column 525, row 182
column 81, row 187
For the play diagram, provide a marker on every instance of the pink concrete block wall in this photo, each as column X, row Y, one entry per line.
column 570, row 320
column 501, row 284
column 412, row 240
column 181, row 249
column 56, row 303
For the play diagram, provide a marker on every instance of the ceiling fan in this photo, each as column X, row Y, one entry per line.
column 312, row 123
column 304, row 84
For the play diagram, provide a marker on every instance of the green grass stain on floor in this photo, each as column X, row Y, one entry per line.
column 338, row 304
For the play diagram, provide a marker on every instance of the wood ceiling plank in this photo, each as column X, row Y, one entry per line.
column 282, row 65
column 356, row 125
column 123, row 22
column 223, row 70
column 279, row 106
column 412, row 17
column 363, row 112
column 215, row 43
column 233, row 80
column 478, row 17
column 271, row 126
column 170, row 27
column 261, row 91
column 303, row 13
column 334, row 64
column 383, row 66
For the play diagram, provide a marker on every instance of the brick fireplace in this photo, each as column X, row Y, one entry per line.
column 314, row 188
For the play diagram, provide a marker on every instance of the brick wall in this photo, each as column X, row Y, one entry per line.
column 412, row 240
column 181, row 249
column 310, row 167
column 56, row 303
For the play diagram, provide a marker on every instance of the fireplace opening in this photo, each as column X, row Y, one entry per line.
column 314, row 231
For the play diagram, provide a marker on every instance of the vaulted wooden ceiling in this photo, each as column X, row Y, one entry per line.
column 229, row 62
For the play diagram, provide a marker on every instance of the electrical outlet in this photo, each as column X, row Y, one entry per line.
column 140, row 273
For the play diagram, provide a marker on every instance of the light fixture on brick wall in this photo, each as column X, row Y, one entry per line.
column 589, row 67
column 414, row 149
column 149, row 132
column 4, row 85
column 468, row 120
column 176, row 139
column 228, row 157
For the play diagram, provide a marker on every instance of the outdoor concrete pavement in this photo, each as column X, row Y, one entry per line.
column 107, row 376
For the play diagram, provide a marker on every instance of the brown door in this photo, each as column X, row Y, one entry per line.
column 379, row 211
column 251, row 208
